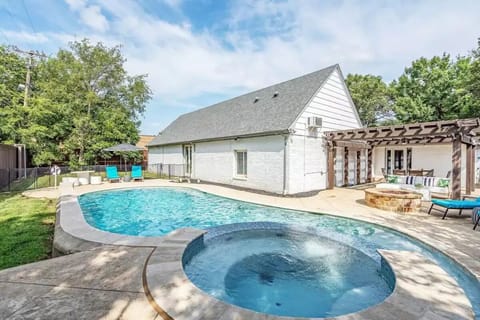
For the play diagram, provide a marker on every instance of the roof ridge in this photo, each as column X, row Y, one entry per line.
column 333, row 66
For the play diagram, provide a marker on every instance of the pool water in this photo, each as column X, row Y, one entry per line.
column 158, row 211
column 287, row 273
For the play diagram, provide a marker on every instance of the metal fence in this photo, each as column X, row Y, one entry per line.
column 41, row 177
column 168, row 171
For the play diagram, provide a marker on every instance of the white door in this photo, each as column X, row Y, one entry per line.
column 188, row 159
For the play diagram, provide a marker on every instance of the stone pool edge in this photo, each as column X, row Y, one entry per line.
column 174, row 296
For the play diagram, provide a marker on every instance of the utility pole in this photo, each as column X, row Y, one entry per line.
column 30, row 54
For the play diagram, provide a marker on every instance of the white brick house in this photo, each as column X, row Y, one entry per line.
column 270, row 139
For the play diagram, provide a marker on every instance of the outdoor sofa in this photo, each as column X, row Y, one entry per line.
column 435, row 185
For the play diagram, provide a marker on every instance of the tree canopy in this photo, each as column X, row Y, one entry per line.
column 82, row 100
column 439, row 88
column 371, row 97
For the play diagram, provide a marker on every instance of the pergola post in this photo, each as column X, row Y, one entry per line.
column 469, row 172
column 345, row 166
column 331, row 166
column 456, row 167
column 369, row 164
column 474, row 174
column 357, row 175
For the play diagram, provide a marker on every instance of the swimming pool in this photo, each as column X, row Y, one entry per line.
column 158, row 211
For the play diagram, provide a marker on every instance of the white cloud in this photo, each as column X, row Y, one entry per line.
column 91, row 15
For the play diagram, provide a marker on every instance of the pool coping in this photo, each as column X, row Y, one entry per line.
column 73, row 223
column 174, row 296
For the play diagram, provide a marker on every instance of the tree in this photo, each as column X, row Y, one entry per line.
column 82, row 100
column 87, row 102
column 471, row 82
column 12, row 73
column 371, row 97
column 432, row 89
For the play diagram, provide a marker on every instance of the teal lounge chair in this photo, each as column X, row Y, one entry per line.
column 454, row 204
column 112, row 174
column 137, row 173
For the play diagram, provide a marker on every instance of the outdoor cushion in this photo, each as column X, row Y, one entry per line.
column 429, row 181
column 410, row 180
column 443, row 183
column 457, row 204
column 392, row 179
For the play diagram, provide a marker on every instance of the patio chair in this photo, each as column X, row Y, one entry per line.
column 454, row 204
column 137, row 173
column 112, row 174
column 476, row 217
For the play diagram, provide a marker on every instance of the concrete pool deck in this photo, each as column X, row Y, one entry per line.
column 73, row 286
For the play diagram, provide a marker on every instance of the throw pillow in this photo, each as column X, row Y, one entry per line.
column 443, row 183
column 392, row 179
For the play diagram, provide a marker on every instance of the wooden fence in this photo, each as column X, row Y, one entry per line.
column 8, row 160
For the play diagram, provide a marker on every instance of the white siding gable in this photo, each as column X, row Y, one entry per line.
column 333, row 104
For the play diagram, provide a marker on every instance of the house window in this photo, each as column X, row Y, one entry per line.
column 241, row 162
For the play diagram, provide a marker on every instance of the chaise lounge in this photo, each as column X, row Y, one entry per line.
column 455, row 205
column 112, row 174
column 137, row 173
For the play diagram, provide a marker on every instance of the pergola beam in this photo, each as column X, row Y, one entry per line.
column 444, row 129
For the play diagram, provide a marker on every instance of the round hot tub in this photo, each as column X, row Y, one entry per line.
column 401, row 201
column 286, row 271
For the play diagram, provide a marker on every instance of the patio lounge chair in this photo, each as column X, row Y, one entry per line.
column 112, row 174
column 454, row 204
column 476, row 217
column 137, row 173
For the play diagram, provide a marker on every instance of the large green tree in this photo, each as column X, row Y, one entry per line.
column 471, row 79
column 12, row 74
column 371, row 97
column 433, row 89
column 83, row 100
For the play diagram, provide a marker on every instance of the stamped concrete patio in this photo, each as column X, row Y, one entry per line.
column 106, row 282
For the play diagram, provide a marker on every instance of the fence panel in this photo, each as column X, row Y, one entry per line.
column 41, row 177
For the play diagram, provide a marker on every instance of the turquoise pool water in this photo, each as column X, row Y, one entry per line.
column 158, row 211
column 286, row 271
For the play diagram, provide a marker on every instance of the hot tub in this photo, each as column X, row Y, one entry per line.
column 286, row 271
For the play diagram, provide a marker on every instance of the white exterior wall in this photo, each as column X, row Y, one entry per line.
column 333, row 105
column 434, row 156
column 307, row 164
column 215, row 162
column 165, row 154
column 307, row 151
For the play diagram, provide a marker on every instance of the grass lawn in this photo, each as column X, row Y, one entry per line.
column 26, row 229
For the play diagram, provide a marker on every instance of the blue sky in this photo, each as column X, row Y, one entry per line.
column 198, row 52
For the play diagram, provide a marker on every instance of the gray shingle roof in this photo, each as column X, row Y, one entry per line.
column 245, row 115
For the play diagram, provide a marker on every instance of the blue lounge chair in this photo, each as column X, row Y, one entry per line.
column 112, row 174
column 137, row 173
column 454, row 204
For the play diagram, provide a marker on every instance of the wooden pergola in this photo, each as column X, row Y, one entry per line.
column 457, row 132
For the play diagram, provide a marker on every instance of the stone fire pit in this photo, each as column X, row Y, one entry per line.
column 402, row 201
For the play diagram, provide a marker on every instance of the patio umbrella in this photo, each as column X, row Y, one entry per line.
column 123, row 147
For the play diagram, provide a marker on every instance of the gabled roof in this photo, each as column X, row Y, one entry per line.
column 266, row 111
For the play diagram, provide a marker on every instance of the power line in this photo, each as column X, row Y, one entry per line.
column 28, row 16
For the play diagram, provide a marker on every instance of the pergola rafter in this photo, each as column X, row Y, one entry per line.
column 457, row 132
